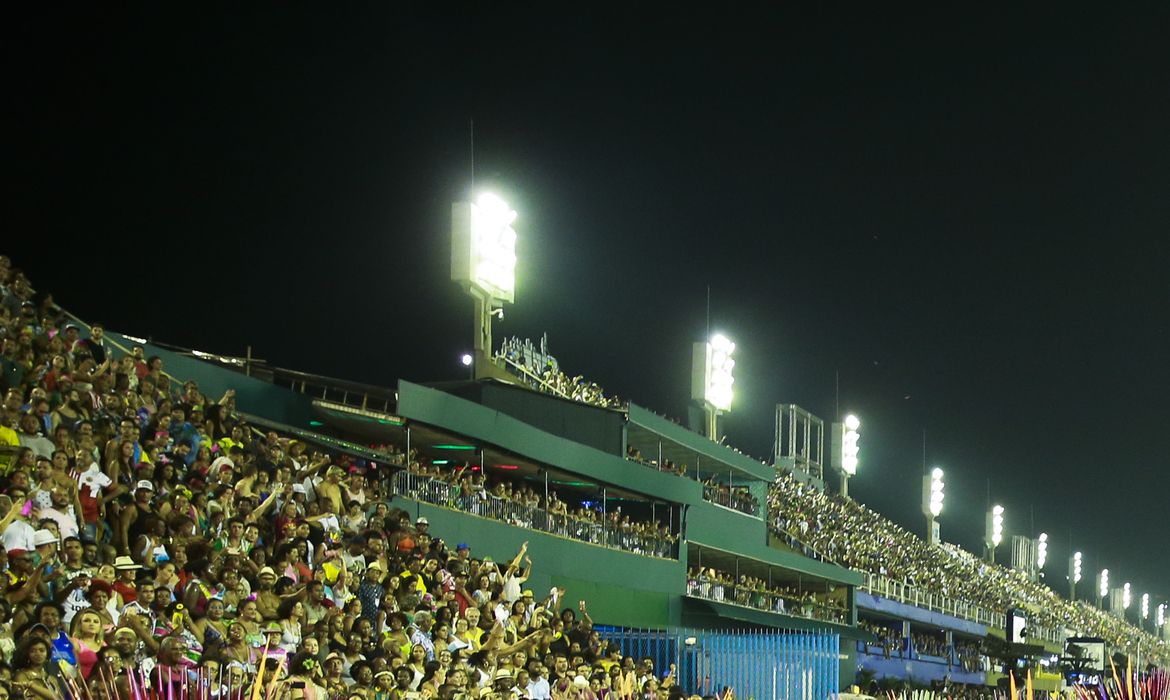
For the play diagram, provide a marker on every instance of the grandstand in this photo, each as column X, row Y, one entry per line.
column 687, row 551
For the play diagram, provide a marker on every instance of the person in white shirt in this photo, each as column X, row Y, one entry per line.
column 538, row 688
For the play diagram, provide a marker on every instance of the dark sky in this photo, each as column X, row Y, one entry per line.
column 964, row 213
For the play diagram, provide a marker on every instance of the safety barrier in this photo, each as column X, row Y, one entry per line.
column 764, row 665
column 448, row 495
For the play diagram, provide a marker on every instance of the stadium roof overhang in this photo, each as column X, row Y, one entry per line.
column 654, row 435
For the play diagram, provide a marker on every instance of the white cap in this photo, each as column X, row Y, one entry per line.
column 144, row 484
column 43, row 537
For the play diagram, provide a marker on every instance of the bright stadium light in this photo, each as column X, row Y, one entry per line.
column 719, row 377
column 933, row 495
column 937, row 495
column 997, row 525
column 712, row 378
column 1103, row 583
column 1041, row 551
column 483, row 262
column 1126, row 598
column 1160, row 617
column 466, row 360
column 1076, row 568
column 1145, row 606
column 849, row 447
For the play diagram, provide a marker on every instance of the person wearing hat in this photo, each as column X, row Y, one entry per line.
column 267, row 601
column 329, row 490
column 125, row 569
column 132, row 522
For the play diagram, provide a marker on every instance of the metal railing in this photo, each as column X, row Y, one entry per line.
column 764, row 600
column 763, row 664
column 445, row 494
column 912, row 595
column 734, row 500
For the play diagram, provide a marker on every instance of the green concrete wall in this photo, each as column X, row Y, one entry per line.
column 620, row 588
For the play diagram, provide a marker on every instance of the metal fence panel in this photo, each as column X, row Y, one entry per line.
column 758, row 665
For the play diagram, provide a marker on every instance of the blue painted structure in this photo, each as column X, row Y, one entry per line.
column 764, row 665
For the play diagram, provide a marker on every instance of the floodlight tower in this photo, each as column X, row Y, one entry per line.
column 1074, row 574
column 844, row 450
column 1102, row 587
column 712, row 380
column 994, row 533
column 1160, row 616
column 932, row 503
column 483, row 261
column 1145, row 608
column 1041, row 554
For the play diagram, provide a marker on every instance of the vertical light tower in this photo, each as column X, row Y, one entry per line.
column 483, row 261
column 1074, row 575
column 1145, row 608
column 711, row 379
column 1103, row 587
column 1126, row 599
column 1160, row 617
column 845, row 451
column 994, row 533
column 1041, row 554
column 932, row 503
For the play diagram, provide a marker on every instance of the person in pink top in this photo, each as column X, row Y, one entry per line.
column 86, row 634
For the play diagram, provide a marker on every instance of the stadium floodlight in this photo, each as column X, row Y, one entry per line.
column 937, row 494
column 719, row 377
column 1076, row 568
column 1103, row 583
column 1160, row 618
column 995, row 526
column 849, row 447
column 466, row 359
column 1041, row 551
column 933, row 496
column 1126, row 597
column 1145, row 606
column 483, row 262
column 712, row 378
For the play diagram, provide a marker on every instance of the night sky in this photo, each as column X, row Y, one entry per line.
column 964, row 214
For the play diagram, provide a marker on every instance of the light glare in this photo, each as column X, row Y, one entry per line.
column 493, row 246
column 720, row 366
column 1042, row 551
column 849, row 447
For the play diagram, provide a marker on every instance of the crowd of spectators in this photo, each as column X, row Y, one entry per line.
column 890, row 640
column 154, row 545
column 670, row 467
column 736, row 497
column 540, row 371
column 515, row 502
column 752, row 592
column 847, row 533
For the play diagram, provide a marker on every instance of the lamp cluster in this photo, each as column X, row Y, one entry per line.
column 849, row 447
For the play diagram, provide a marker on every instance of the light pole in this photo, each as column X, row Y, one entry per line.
column 712, row 379
column 483, row 261
column 1041, row 554
column 1145, row 608
column 845, row 450
column 932, row 503
column 994, row 531
column 1103, row 586
column 1074, row 575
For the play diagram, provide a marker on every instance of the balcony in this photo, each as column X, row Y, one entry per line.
column 444, row 494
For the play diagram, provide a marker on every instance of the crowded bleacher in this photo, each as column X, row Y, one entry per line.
column 845, row 532
column 156, row 545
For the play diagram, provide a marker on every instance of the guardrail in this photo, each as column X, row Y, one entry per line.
column 766, row 601
column 712, row 494
column 912, row 595
column 447, row 495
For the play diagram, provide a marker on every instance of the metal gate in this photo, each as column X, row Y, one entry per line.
column 757, row 665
